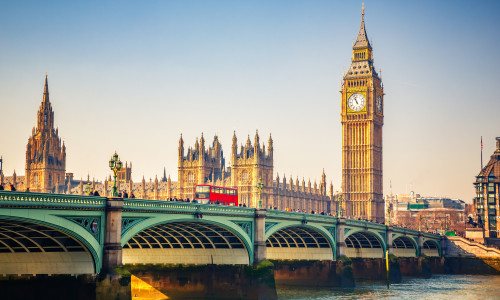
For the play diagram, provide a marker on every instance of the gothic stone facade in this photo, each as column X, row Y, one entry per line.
column 199, row 166
column 362, row 118
column 248, row 165
column 45, row 154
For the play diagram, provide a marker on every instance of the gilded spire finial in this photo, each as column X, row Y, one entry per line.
column 363, row 9
column 46, row 75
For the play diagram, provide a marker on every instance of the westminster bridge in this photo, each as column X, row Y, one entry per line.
column 68, row 234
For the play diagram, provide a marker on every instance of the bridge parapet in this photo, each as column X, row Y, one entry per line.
column 142, row 205
column 34, row 200
column 430, row 235
column 277, row 214
column 365, row 224
column 405, row 231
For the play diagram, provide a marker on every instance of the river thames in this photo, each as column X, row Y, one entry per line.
column 437, row 287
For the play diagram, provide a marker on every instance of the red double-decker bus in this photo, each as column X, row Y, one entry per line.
column 216, row 194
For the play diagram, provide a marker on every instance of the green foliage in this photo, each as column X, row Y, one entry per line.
column 393, row 257
column 265, row 264
column 121, row 271
column 294, row 263
column 345, row 260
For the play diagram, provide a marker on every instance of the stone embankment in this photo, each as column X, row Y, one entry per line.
column 459, row 247
column 468, row 257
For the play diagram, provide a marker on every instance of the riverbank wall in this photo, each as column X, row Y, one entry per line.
column 236, row 281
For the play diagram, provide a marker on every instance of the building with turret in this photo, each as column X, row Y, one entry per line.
column 199, row 166
column 248, row 166
column 250, row 163
column 487, row 199
column 362, row 117
column 45, row 153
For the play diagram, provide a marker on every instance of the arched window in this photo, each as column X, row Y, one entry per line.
column 190, row 177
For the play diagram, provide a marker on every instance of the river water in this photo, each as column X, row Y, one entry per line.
column 437, row 287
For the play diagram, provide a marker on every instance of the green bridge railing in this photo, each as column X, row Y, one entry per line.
column 62, row 201
column 141, row 205
column 55, row 201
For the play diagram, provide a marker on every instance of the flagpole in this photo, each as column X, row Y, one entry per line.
column 481, row 153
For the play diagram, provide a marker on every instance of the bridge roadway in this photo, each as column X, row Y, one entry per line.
column 68, row 234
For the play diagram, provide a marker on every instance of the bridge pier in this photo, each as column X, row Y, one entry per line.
column 420, row 243
column 388, row 240
column 443, row 246
column 112, row 248
column 259, row 253
column 341, row 246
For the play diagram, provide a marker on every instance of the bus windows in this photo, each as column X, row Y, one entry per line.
column 202, row 192
column 214, row 194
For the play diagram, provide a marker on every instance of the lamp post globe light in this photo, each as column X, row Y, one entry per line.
column 88, row 188
column 115, row 165
column 260, row 186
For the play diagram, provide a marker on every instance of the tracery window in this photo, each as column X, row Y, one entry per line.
column 245, row 177
column 190, row 177
column 35, row 179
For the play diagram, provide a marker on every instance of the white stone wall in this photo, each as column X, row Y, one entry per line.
column 400, row 252
column 186, row 256
column 365, row 252
column 46, row 263
column 299, row 253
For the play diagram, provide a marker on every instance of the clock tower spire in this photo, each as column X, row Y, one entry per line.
column 362, row 120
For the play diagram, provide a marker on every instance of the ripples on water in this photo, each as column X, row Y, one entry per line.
column 438, row 287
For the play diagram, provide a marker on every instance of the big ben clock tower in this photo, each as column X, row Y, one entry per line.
column 362, row 120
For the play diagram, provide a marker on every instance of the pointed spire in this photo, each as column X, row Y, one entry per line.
column 202, row 139
column 362, row 39
column 46, row 90
column 235, row 140
column 249, row 143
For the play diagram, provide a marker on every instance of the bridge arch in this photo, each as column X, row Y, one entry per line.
column 186, row 241
column 431, row 248
column 46, row 244
column 364, row 243
column 288, row 241
column 404, row 246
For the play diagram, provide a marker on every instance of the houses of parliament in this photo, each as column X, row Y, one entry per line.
column 362, row 114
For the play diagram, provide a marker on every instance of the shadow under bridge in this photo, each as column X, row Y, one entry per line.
column 186, row 242
column 298, row 243
column 30, row 248
column 364, row 244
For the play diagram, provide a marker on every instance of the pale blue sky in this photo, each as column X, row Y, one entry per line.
column 132, row 75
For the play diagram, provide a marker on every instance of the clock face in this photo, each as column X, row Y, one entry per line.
column 356, row 102
column 379, row 103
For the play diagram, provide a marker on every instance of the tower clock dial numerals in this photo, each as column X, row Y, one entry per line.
column 356, row 102
column 379, row 103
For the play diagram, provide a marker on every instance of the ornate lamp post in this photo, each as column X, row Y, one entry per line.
column 260, row 186
column 115, row 165
column 339, row 210
column 88, row 188
column 388, row 218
